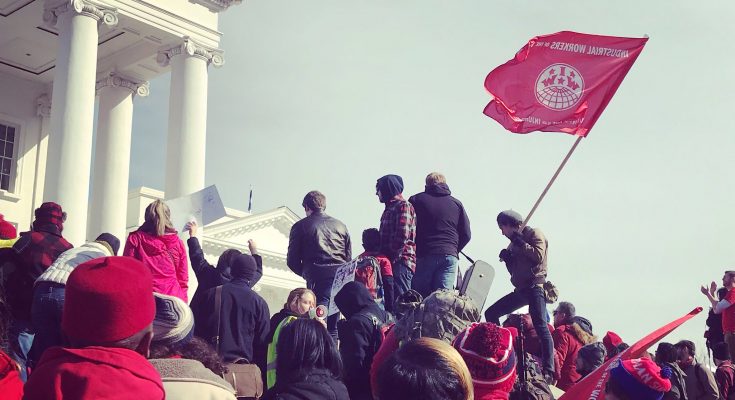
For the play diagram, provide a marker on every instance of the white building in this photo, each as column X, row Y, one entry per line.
column 59, row 57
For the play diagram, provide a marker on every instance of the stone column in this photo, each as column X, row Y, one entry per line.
column 43, row 110
column 187, row 118
column 72, row 110
column 112, row 155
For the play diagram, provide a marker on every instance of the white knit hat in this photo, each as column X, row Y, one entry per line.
column 174, row 321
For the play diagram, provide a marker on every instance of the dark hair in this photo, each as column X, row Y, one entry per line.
column 666, row 353
column 225, row 261
column 315, row 201
column 688, row 345
column 721, row 293
column 303, row 346
column 567, row 308
column 371, row 239
column 194, row 349
column 615, row 350
column 425, row 369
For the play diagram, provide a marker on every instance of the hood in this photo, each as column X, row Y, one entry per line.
column 185, row 369
column 438, row 189
column 92, row 356
column 352, row 298
column 154, row 245
column 581, row 328
column 389, row 187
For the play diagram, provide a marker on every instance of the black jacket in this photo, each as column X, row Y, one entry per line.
column 359, row 336
column 318, row 240
column 442, row 226
column 244, row 322
column 317, row 385
column 276, row 319
column 208, row 276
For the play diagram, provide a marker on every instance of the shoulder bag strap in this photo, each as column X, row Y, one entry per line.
column 217, row 311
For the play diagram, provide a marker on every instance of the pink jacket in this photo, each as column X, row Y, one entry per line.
column 166, row 257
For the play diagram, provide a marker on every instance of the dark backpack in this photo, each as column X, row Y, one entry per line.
column 380, row 331
column 536, row 386
column 367, row 272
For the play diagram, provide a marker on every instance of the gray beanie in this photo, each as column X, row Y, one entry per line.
column 509, row 217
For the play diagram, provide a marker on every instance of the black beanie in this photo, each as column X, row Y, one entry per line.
column 110, row 239
column 509, row 217
column 720, row 351
column 244, row 267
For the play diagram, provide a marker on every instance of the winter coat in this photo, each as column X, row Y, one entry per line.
column 568, row 339
column 359, row 336
column 60, row 270
column 166, row 257
column 714, row 332
column 243, row 325
column 11, row 386
column 185, row 379
column 442, row 226
column 725, row 378
column 276, row 320
column 93, row 373
column 678, row 383
column 35, row 251
column 527, row 262
column 317, row 240
column 700, row 382
column 316, row 385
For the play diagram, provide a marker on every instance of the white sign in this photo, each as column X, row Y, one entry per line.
column 204, row 207
column 345, row 273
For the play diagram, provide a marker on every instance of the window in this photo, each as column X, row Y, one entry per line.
column 7, row 145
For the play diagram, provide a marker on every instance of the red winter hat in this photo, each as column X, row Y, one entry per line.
column 108, row 299
column 487, row 349
column 7, row 230
column 611, row 340
column 641, row 379
column 51, row 213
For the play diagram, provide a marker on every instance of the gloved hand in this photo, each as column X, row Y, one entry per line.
column 517, row 239
column 505, row 255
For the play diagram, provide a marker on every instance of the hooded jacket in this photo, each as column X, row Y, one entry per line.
column 166, row 257
column 568, row 339
column 527, row 263
column 397, row 223
column 442, row 226
column 60, row 270
column 316, row 385
column 359, row 336
column 93, row 373
column 190, row 379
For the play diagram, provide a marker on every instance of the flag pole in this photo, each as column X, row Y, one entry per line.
column 551, row 182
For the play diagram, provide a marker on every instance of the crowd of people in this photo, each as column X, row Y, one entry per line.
column 85, row 323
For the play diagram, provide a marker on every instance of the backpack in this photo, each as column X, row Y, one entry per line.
column 536, row 386
column 367, row 272
column 380, row 331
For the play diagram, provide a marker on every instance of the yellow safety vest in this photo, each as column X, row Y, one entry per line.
column 270, row 372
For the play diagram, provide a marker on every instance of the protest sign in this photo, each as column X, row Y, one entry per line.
column 204, row 207
column 345, row 273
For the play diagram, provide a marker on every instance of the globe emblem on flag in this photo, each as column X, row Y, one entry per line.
column 559, row 87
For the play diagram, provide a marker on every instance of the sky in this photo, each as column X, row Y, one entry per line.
column 331, row 95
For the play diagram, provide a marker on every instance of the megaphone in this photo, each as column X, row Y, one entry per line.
column 320, row 312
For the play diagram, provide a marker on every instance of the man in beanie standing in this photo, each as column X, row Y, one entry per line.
column 700, row 382
column 442, row 231
column 107, row 318
column 35, row 251
column 526, row 259
column 317, row 245
column 725, row 373
column 637, row 379
column 397, row 231
column 244, row 317
column 487, row 349
column 48, row 292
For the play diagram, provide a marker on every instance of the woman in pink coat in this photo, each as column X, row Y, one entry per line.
column 157, row 245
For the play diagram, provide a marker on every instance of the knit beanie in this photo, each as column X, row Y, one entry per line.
column 108, row 299
column 174, row 321
column 720, row 351
column 7, row 230
column 590, row 357
column 110, row 239
column 243, row 266
column 611, row 340
column 389, row 186
column 50, row 213
column 641, row 379
column 487, row 349
column 509, row 217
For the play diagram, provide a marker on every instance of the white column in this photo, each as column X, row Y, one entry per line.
column 43, row 110
column 112, row 155
column 72, row 110
column 187, row 119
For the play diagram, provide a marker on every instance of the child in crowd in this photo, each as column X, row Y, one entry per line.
column 371, row 244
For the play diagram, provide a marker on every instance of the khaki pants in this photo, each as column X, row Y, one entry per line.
column 730, row 340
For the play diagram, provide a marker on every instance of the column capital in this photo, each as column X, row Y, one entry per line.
column 90, row 8
column 216, row 5
column 192, row 49
column 114, row 80
column 43, row 106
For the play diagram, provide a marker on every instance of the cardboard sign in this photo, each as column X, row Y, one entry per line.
column 345, row 273
column 204, row 207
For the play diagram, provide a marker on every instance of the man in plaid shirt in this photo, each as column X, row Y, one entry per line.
column 397, row 231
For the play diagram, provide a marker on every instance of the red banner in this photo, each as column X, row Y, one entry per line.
column 560, row 82
column 592, row 387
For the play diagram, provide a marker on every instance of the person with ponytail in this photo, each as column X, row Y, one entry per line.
column 157, row 245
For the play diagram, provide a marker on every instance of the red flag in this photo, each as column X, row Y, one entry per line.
column 560, row 82
column 592, row 387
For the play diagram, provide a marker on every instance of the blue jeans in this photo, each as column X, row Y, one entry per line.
column 402, row 276
column 434, row 272
column 534, row 298
column 48, row 303
column 21, row 339
column 320, row 279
